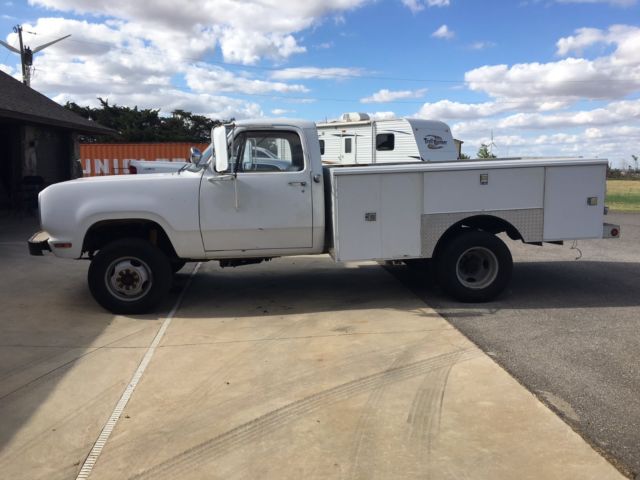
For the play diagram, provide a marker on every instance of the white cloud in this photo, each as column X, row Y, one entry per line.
column 246, row 31
column 615, row 143
column 612, row 76
column 104, row 60
column 533, row 107
column 585, row 37
column 481, row 45
column 249, row 47
column 611, row 114
column 615, row 113
column 8, row 69
column 280, row 111
column 448, row 110
column 324, row 45
column 418, row 5
column 296, row 73
column 210, row 79
column 382, row 115
column 385, row 96
column 444, row 33
column 170, row 99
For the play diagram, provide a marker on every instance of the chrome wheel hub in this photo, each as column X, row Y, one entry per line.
column 128, row 278
column 477, row 268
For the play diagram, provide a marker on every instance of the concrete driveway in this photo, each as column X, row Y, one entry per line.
column 298, row 368
column 569, row 331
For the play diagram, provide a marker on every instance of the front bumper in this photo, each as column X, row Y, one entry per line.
column 38, row 243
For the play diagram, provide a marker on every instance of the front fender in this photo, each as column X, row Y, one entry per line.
column 69, row 209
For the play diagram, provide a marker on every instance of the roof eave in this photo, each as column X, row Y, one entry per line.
column 86, row 129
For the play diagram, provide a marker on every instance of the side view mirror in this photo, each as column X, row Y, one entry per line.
column 219, row 135
column 195, row 155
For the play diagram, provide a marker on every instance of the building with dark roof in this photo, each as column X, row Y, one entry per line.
column 38, row 142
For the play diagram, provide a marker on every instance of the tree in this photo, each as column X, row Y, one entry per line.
column 146, row 125
column 464, row 156
column 483, row 152
column 635, row 160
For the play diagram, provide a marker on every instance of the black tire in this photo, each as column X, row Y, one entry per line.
column 474, row 266
column 130, row 276
column 177, row 264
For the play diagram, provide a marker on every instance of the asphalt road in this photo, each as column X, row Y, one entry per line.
column 567, row 329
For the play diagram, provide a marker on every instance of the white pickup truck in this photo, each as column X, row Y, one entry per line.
column 137, row 229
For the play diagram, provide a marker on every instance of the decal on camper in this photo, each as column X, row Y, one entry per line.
column 434, row 142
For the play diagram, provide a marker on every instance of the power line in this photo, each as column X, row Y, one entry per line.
column 276, row 96
column 313, row 70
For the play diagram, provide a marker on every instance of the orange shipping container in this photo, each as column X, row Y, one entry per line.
column 114, row 158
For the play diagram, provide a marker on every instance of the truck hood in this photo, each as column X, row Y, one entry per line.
column 68, row 209
column 123, row 178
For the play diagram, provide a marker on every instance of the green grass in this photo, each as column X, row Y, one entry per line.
column 623, row 195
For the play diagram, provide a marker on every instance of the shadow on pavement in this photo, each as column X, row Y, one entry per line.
column 286, row 289
column 51, row 331
column 535, row 285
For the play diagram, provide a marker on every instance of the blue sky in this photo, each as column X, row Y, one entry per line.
column 548, row 77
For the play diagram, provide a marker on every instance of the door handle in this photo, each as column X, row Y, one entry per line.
column 298, row 184
column 220, row 178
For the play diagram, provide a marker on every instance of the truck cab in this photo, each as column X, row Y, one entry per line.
column 248, row 206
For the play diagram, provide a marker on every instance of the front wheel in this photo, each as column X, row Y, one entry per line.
column 129, row 276
column 475, row 266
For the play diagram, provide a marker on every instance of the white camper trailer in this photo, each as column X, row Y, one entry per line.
column 356, row 138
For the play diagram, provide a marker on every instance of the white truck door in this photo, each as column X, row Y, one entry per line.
column 268, row 204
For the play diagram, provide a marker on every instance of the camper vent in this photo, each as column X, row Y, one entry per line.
column 354, row 117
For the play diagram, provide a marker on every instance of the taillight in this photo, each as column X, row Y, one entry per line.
column 132, row 169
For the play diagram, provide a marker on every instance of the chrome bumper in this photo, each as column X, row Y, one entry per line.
column 38, row 243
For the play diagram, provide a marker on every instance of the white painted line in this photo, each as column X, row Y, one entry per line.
column 95, row 452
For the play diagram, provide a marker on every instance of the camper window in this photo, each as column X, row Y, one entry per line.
column 321, row 147
column 347, row 145
column 385, row 141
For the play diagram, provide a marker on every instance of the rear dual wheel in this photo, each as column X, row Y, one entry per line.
column 474, row 266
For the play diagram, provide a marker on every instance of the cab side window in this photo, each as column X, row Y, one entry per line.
column 271, row 151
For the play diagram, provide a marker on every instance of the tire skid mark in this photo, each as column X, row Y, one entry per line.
column 425, row 415
column 199, row 418
column 367, row 416
column 261, row 426
column 426, row 408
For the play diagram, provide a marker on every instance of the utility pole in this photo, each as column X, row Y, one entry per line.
column 26, row 54
column 25, row 77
